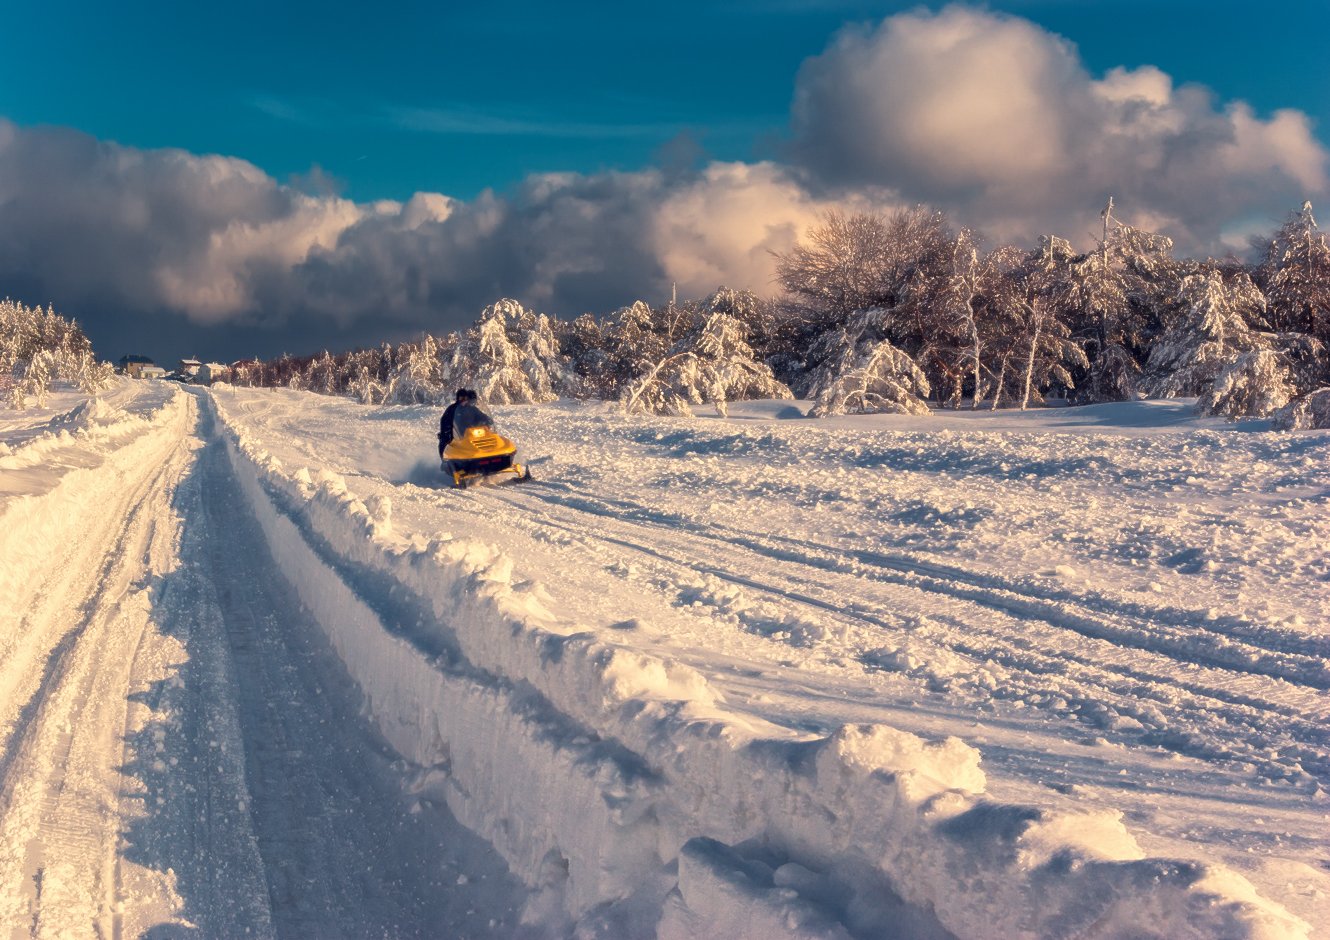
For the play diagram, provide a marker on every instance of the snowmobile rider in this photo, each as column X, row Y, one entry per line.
column 466, row 415
column 446, row 422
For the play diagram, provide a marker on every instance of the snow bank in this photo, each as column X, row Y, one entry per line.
column 91, row 424
column 53, row 486
column 621, row 784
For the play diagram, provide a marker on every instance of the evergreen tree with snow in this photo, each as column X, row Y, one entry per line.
column 1295, row 275
column 771, row 328
column 1256, row 383
column 583, row 343
column 712, row 363
column 510, row 356
column 1307, row 413
column 1212, row 331
column 633, row 348
column 861, row 371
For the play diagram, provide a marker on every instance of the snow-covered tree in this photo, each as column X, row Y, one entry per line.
column 720, row 342
column 418, row 377
column 542, row 361
column 862, row 371
column 1038, row 346
column 321, row 375
column 39, row 347
column 587, row 374
column 863, row 261
column 32, row 380
column 713, row 363
column 365, row 389
column 511, row 355
column 1296, row 277
column 771, row 328
column 632, row 347
column 1213, row 329
column 1310, row 412
column 1256, row 383
column 839, row 267
column 964, row 316
column 893, row 264
column 882, row 379
column 1108, row 295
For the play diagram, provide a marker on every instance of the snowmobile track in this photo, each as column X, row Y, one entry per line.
column 1236, row 686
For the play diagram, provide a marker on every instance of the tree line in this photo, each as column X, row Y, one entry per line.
column 897, row 312
column 878, row 312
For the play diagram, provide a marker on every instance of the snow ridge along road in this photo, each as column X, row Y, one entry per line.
column 679, row 684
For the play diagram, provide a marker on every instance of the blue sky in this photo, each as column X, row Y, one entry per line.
column 626, row 148
column 390, row 99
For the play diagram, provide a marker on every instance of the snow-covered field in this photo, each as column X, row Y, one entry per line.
column 1060, row 673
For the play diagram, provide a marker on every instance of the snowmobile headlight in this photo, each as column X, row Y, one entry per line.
column 477, row 432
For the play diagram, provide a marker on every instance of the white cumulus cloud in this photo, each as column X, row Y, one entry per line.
column 998, row 121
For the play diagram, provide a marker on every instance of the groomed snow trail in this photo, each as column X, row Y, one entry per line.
column 1127, row 621
column 346, row 852
column 180, row 748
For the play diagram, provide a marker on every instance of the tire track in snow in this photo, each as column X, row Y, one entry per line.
column 1192, row 706
column 1297, row 658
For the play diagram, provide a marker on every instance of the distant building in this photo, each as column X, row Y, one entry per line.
column 133, row 366
column 189, row 368
column 211, row 373
column 152, row 372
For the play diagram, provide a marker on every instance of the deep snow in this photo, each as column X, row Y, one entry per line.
column 1045, row 673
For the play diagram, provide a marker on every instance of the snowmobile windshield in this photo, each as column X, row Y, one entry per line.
column 468, row 416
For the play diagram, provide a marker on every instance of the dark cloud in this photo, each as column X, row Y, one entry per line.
column 123, row 238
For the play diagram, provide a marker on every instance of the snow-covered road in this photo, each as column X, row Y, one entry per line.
column 732, row 676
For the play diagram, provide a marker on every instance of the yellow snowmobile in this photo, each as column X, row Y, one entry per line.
column 479, row 452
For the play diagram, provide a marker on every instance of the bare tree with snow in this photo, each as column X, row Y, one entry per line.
column 964, row 308
column 1041, row 344
column 841, row 266
column 1108, row 295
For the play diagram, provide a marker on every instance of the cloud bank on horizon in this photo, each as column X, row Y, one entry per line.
column 984, row 115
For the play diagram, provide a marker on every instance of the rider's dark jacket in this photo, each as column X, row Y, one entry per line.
column 446, row 426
